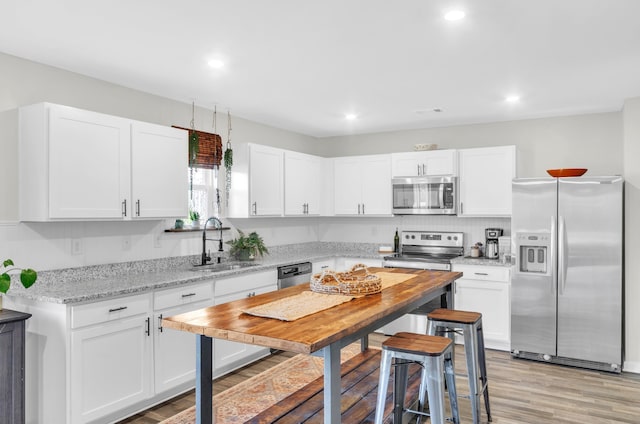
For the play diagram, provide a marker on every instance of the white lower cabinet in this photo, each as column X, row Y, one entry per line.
column 323, row 265
column 343, row 264
column 228, row 355
column 175, row 351
column 486, row 289
column 111, row 357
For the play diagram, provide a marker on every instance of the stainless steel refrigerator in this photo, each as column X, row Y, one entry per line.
column 566, row 288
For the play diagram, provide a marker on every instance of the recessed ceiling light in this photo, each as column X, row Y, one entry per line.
column 216, row 63
column 454, row 15
column 512, row 99
column 350, row 116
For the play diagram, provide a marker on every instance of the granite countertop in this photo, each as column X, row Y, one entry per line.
column 468, row 260
column 98, row 282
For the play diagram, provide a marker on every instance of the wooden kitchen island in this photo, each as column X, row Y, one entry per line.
column 323, row 333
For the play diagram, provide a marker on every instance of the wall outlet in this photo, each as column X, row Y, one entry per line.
column 76, row 246
column 126, row 243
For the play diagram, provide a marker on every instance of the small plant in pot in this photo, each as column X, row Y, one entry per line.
column 194, row 216
column 247, row 247
column 27, row 277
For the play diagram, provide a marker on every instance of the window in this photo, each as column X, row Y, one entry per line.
column 204, row 195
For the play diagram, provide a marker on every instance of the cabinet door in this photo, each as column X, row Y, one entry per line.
column 491, row 299
column 159, row 183
column 440, row 162
column 89, row 164
column 485, row 180
column 110, row 367
column 228, row 355
column 348, row 263
column 347, row 188
column 174, row 351
column 265, row 181
column 323, row 265
column 406, row 164
column 434, row 162
column 376, row 184
column 302, row 183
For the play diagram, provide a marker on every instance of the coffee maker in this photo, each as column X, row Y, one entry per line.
column 491, row 245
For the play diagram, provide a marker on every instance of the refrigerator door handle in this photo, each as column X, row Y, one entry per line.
column 562, row 254
column 552, row 256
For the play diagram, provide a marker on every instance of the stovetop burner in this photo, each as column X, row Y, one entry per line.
column 427, row 250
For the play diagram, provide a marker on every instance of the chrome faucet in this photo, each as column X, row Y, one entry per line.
column 205, row 257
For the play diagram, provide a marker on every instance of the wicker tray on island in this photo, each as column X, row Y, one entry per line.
column 358, row 281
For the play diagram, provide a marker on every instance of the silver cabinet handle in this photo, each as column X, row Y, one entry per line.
column 363, row 209
column 424, row 172
column 124, row 207
column 148, row 330
column 480, row 273
column 418, row 165
column 160, row 322
column 188, row 295
column 254, row 208
column 358, row 208
column 121, row 308
column 138, row 207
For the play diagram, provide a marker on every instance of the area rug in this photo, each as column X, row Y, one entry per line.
column 243, row 401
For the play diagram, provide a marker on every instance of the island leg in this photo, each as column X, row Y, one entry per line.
column 204, row 377
column 332, row 377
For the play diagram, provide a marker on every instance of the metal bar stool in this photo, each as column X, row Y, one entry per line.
column 442, row 321
column 435, row 355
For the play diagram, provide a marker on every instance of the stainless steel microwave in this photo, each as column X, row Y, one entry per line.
column 431, row 195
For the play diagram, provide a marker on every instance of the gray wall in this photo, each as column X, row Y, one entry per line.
column 583, row 141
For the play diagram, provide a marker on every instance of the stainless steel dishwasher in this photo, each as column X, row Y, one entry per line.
column 292, row 275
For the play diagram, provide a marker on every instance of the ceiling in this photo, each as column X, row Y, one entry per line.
column 301, row 65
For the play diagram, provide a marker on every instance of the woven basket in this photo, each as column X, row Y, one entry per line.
column 348, row 283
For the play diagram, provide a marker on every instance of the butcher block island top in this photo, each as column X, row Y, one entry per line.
column 313, row 332
column 324, row 332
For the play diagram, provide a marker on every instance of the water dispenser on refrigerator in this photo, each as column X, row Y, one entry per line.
column 533, row 252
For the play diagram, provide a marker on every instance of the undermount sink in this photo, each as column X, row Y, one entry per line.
column 226, row 266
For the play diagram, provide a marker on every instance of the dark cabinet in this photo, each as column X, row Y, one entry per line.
column 12, row 341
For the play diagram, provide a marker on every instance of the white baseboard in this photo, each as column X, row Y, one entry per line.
column 631, row 366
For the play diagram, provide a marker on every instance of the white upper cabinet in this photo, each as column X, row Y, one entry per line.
column 302, row 183
column 265, row 180
column 485, row 180
column 77, row 165
column 159, row 183
column 362, row 185
column 432, row 162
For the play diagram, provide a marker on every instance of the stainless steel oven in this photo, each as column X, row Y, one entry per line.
column 423, row 250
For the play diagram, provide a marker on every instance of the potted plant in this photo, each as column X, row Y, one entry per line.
column 194, row 216
column 247, row 247
column 27, row 277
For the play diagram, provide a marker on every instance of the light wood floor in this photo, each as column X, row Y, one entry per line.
column 521, row 391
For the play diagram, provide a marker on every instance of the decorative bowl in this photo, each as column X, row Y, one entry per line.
column 567, row 172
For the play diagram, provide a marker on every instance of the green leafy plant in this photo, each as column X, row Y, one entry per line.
column 247, row 246
column 27, row 276
column 194, row 215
